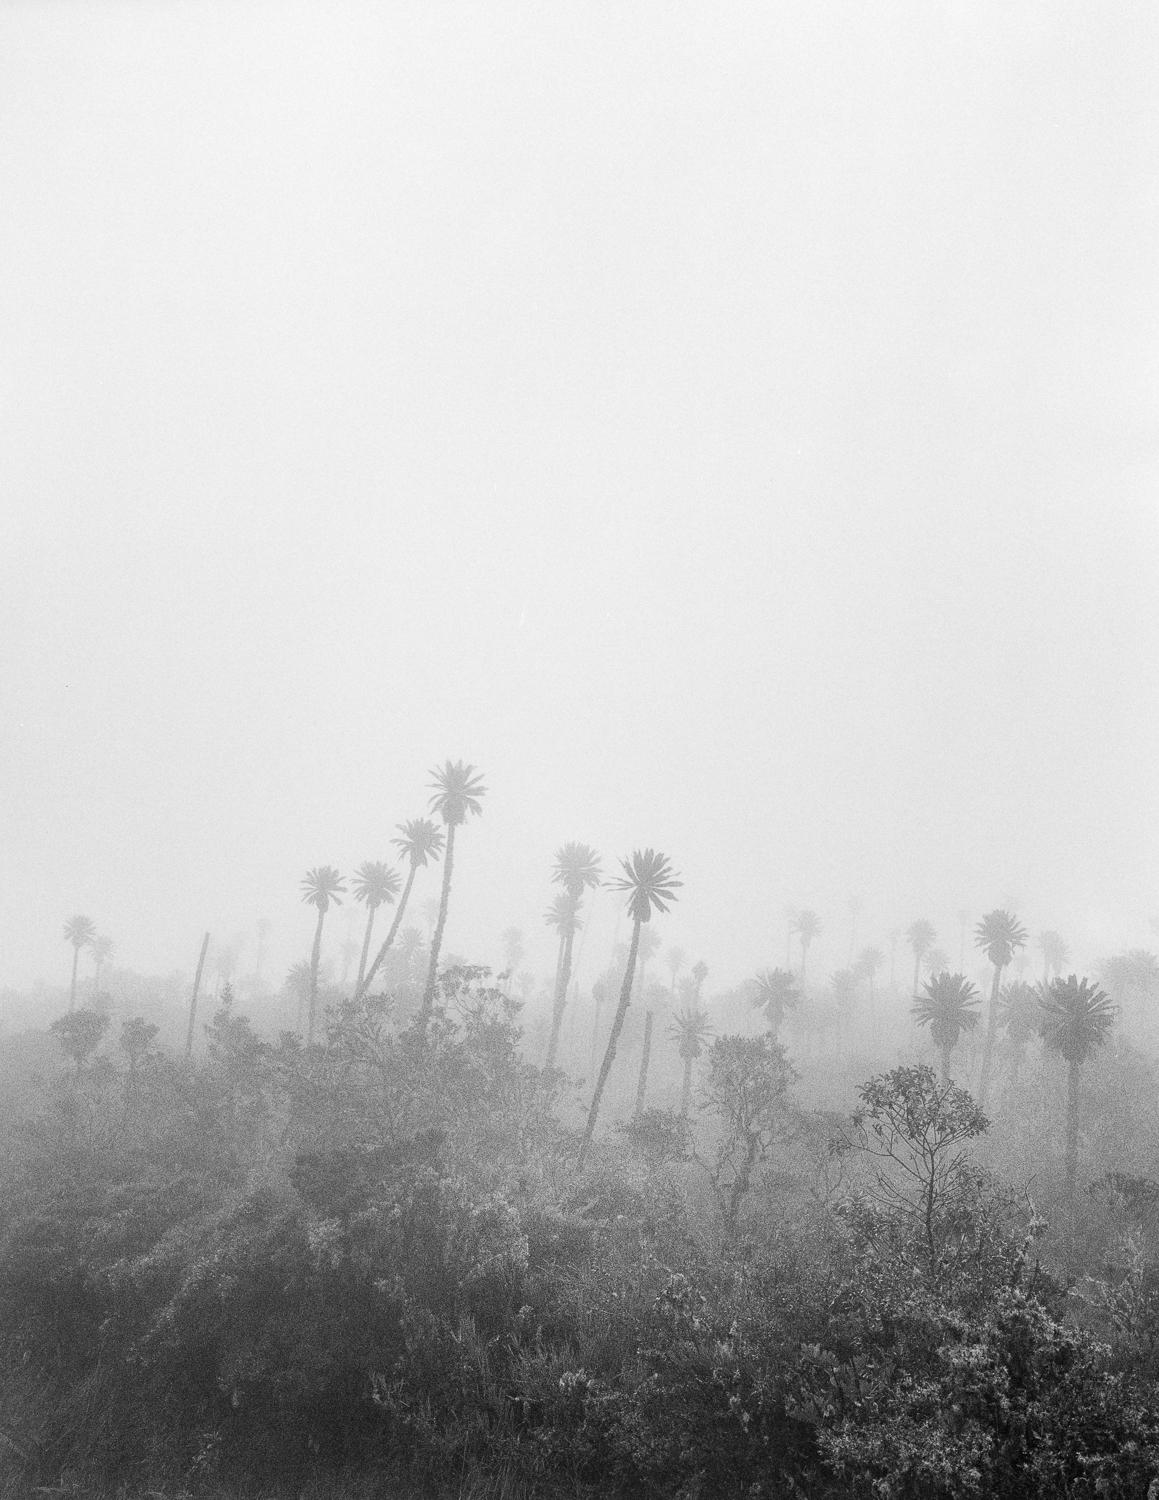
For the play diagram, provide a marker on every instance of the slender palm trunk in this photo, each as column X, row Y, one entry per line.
column 610, row 1053
column 686, row 1088
column 1072, row 1129
column 364, row 983
column 315, row 960
column 917, row 970
column 193, row 997
column 441, row 922
column 72, row 986
column 642, row 1085
column 945, row 1064
column 804, row 958
column 370, row 911
column 559, row 1001
column 991, row 1033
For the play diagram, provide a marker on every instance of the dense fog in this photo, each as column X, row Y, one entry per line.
column 579, row 902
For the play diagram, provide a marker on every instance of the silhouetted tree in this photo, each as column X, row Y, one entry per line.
column 375, row 885
column 577, row 870
column 1076, row 1021
column 79, row 931
column 949, row 1007
column 458, row 788
column 807, row 926
column 999, row 934
column 650, row 884
column 920, row 936
column 774, row 991
column 419, row 840
column 321, row 887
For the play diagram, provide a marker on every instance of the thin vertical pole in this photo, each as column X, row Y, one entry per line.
column 193, row 1000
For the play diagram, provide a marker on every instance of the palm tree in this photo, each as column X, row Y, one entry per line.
column 1055, row 954
column 458, row 788
column 79, row 931
column 699, row 975
column 577, row 869
column 920, row 935
column 650, row 883
column 375, row 885
column 419, row 840
column 869, row 960
column 1019, row 1016
column 1000, row 935
column 320, row 887
column 807, row 926
column 102, row 951
column 774, row 991
column 690, row 1030
column 1077, row 1018
column 948, row 1007
column 563, row 915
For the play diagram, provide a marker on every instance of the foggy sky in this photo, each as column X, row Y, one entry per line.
column 732, row 428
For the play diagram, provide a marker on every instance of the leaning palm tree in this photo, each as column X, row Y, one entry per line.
column 577, row 869
column 419, row 840
column 774, row 991
column 650, row 883
column 458, row 788
column 321, row 887
column 949, row 1007
column 690, row 1030
column 920, row 935
column 375, row 885
column 806, row 926
column 79, row 931
column 1076, row 1020
column 999, row 934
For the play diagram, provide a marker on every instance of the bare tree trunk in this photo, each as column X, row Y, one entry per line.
column 991, row 1033
column 72, row 987
column 193, row 998
column 559, row 1001
column 610, row 1053
column 1072, row 1130
column 437, row 935
column 315, row 961
column 370, row 911
column 642, row 1085
column 686, row 1089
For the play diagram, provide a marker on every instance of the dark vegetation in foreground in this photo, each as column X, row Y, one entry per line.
column 275, row 1267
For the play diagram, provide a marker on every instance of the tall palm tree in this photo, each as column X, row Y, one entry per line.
column 920, row 935
column 690, row 1030
column 375, row 885
column 1055, row 954
column 321, row 887
column 563, row 915
column 948, row 1007
column 102, row 948
column 1019, row 1015
column 774, row 991
column 79, row 931
column 1076, row 1021
column 869, row 960
column 650, row 884
column 807, row 926
column 999, row 934
column 419, row 840
column 458, row 788
column 577, row 870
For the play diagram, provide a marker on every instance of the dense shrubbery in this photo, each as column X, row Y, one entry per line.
column 378, row 1251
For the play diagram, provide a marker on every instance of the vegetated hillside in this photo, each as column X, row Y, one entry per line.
column 373, row 1261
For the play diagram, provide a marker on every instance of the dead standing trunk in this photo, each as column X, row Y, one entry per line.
column 642, row 1085
column 610, row 1052
column 193, row 997
column 437, row 936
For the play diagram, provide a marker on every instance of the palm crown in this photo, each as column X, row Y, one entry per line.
column 1019, row 1011
column 650, row 882
column 322, row 886
column 577, row 868
column 948, row 1007
column 458, row 788
column 1054, row 950
column 690, row 1029
column 79, row 931
column 421, row 840
column 999, row 934
column 807, row 925
column 563, row 915
column 375, row 884
column 921, row 935
column 1076, row 1017
column 774, row 991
